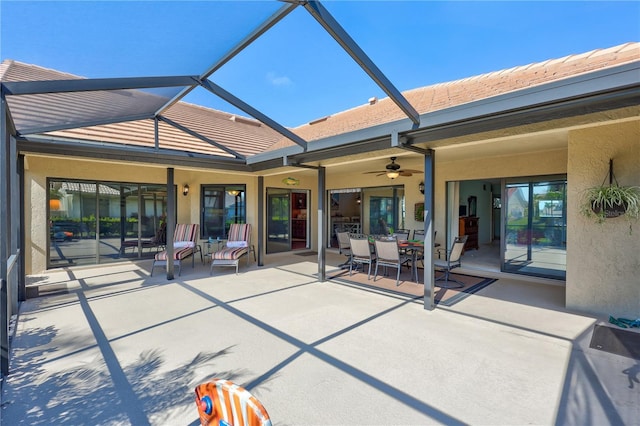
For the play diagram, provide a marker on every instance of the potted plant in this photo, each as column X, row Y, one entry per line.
column 608, row 201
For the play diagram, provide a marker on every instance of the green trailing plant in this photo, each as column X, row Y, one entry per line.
column 608, row 201
column 599, row 201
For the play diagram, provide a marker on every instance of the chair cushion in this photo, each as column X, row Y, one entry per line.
column 183, row 244
column 239, row 232
column 236, row 244
column 230, row 253
column 186, row 232
column 178, row 253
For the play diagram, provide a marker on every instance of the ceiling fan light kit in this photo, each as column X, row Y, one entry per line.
column 393, row 170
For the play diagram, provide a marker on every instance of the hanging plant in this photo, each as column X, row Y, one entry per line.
column 612, row 200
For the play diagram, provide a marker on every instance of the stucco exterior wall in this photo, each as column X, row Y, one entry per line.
column 603, row 260
column 39, row 168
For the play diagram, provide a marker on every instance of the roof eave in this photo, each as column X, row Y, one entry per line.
column 116, row 152
column 609, row 88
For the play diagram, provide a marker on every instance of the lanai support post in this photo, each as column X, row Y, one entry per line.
column 261, row 214
column 14, row 225
column 322, row 223
column 4, row 238
column 429, row 274
column 171, row 221
column 22, row 283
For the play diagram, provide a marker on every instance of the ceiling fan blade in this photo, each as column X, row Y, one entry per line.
column 377, row 171
column 413, row 171
column 405, row 173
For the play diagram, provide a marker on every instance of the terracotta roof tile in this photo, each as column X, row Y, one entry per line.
column 248, row 137
column 245, row 136
column 449, row 94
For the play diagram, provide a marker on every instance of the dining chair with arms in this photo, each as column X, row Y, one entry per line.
column 361, row 253
column 401, row 234
column 418, row 234
column 451, row 261
column 344, row 247
column 388, row 255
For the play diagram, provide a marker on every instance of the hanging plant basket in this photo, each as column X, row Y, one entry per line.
column 610, row 201
column 609, row 211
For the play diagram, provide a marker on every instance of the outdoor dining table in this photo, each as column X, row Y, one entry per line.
column 414, row 247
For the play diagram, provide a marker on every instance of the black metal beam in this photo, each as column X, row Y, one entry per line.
column 328, row 22
column 201, row 137
column 94, row 84
column 261, row 212
column 322, row 223
column 250, row 38
column 5, row 202
column 171, row 221
column 429, row 194
column 238, row 103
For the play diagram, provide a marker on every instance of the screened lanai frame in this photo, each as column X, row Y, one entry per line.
column 29, row 109
column 597, row 91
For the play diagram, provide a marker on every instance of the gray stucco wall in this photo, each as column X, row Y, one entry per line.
column 603, row 260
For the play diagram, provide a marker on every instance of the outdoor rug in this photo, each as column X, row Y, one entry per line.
column 443, row 297
column 616, row 341
column 306, row 253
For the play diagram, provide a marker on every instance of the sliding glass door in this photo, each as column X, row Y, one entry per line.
column 376, row 210
column 100, row 222
column 535, row 228
column 287, row 220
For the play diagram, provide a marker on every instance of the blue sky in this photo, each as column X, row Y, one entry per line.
column 296, row 73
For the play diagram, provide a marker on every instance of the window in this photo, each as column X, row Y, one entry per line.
column 222, row 205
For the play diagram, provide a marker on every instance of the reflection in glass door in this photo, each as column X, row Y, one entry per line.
column 278, row 220
column 287, row 220
column 89, row 221
column 535, row 228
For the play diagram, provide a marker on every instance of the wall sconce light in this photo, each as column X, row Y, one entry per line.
column 358, row 200
column 421, row 187
column 233, row 192
column 185, row 189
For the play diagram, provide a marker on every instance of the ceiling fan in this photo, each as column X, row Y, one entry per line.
column 393, row 170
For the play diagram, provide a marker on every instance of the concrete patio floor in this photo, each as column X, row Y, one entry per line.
column 120, row 347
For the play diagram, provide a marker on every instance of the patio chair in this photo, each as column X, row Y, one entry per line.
column 344, row 247
column 388, row 254
column 452, row 260
column 157, row 241
column 401, row 234
column 418, row 234
column 361, row 253
column 238, row 245
column 185, row 244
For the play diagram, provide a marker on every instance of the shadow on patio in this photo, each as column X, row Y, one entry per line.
column 122, row 347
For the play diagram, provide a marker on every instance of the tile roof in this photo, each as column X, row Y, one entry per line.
column 248, row 137
column 240, row 134
column 449, row 94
